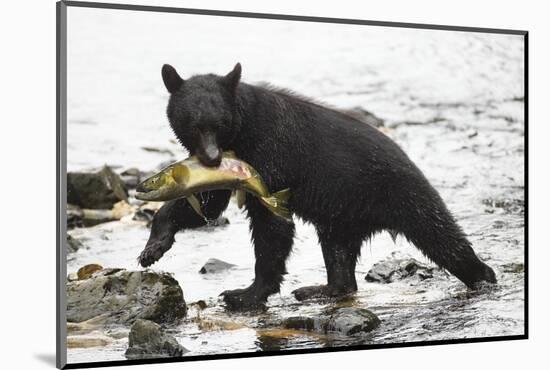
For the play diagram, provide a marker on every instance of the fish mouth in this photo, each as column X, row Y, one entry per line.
column 147, row 194
column 142, row 189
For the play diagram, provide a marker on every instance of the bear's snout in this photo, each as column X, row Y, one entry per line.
column 209, row 153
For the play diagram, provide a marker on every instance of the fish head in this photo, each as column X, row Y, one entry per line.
column 202, row 112
column 166, row 185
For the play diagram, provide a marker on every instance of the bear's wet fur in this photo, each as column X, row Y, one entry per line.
column 346, row 177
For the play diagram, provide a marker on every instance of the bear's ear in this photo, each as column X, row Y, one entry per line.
column 231, row 80
column 171, row 78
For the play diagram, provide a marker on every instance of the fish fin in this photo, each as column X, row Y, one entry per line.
column 196, row 205
column 241, row 198
column 278, row 204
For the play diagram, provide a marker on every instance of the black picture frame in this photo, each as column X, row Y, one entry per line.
column 61, row 173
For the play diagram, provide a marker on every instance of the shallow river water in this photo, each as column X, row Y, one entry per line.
column 452, row 100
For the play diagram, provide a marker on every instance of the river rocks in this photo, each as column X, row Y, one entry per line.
column 89, row 340
column 82, row 217
column 124, row 296
column 147, row 340
column 85, row 272
column 73, row 244
column 344, row 320
column 99, row 190
column 395, row 269
column 352, row 320
column 514, row 268
column 302, row 323
column 214, row 265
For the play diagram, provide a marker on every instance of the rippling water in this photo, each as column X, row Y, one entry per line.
column 452, row 100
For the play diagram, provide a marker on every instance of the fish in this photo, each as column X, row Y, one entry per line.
column 185, row 178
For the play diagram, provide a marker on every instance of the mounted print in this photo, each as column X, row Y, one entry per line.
column 238, row 184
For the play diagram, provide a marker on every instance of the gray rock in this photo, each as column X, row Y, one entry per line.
column 352, row 320
column 99, row 190
column 393, row 269
column 302, row 323
column 73, row 244
column 77, row 217
column 124, row 296
column 345, row 320
column 214, row 265
column 514, row 268
column 147, row 340
column 74, row 217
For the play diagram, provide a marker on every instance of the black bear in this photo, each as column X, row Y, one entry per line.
column 346, row 178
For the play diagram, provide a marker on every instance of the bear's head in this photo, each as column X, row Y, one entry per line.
column 202, row 112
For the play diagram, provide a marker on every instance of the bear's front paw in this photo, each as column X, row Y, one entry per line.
column 154, row 251
column 246, row 299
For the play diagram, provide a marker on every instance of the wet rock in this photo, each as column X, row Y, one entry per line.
column 300, row 323
column 73, row 244
column 514, row 268
column 89, row 340
column 89, row 217
column 205, row 324
column 394, row 269
column 85, row 272
column 99, row 190
column 147, row 340
column 352, row 320
column 365, row 116
column 74, row 217
column 345, row 320
column 124, row 296
column 122, row 209
column 80, row 217
column 200, row 304
column 214, row 265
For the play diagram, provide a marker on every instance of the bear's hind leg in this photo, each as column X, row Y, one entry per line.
column 273, row 237
column 340, row 257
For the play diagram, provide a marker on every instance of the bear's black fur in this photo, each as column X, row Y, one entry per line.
column 346, row 178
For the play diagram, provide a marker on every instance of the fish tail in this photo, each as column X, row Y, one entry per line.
column 278, row 203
